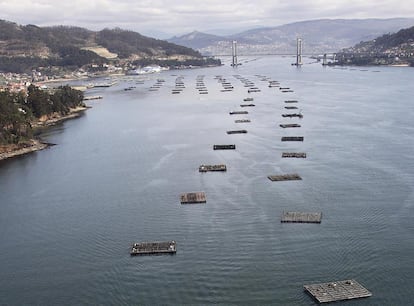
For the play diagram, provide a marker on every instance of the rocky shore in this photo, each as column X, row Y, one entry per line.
column 9, row 151
column 33, row 145
column 56, row 118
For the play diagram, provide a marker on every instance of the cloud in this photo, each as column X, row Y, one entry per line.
column 181, row 16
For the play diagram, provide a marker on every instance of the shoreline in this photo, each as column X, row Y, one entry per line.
column 73, row 113
column 34, row 145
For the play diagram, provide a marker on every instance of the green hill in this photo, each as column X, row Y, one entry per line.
column 25, row 47
column 388, row 49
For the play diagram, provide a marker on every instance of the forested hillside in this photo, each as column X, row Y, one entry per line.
column 397, row 49
column 18, row 111
column 26, row 47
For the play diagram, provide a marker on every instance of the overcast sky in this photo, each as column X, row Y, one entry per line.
column 165, row 18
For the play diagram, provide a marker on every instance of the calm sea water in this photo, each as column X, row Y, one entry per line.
column 69, row 214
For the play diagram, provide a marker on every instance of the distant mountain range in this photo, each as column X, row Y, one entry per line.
column 319, row 36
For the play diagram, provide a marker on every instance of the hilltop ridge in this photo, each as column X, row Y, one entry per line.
column 319, row 36
column 24, row 47
column 388, row 49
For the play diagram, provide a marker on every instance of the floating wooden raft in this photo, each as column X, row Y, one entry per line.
column 247, row 105
column 284, row 177
column 193, row 198
column 292, row 138
column 292, row 115
column 242, row 121
column 274, row 84
column 301, row 217
column 205, row 168
column 289, row 125
column 224, row 147
column 291, row 101
column 291, row 107
column 337, row 291
column 147, row 248
column 237, row 132
column 239, row 113
column 293, row 155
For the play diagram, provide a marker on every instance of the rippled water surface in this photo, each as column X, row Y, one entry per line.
column 69, row 214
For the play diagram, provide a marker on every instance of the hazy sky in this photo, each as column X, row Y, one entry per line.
column 165, row 18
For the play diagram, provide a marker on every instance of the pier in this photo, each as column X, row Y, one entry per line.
column 206, row 168
column 92, row 98
column 224, row 147
column 105, row 84
column 284, row 177
column 237, row 132
column 337, row 291
column 301, row 217
column 293, row 155
column 193, row 198
column 292, row 138
column 148, row 248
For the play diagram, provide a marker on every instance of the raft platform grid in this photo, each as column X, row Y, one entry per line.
column 337, row 291
column 224, row 147
column 289, row 125
column 193, row 198
column 148, row 248
column 293, row 155
column 292, row 138
column 237, row 132
column 284, row 177
column 205, row 168
column 238, row 113
column 301, row 217
column 292, row 115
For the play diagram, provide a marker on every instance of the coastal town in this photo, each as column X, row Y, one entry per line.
column 17, row 82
